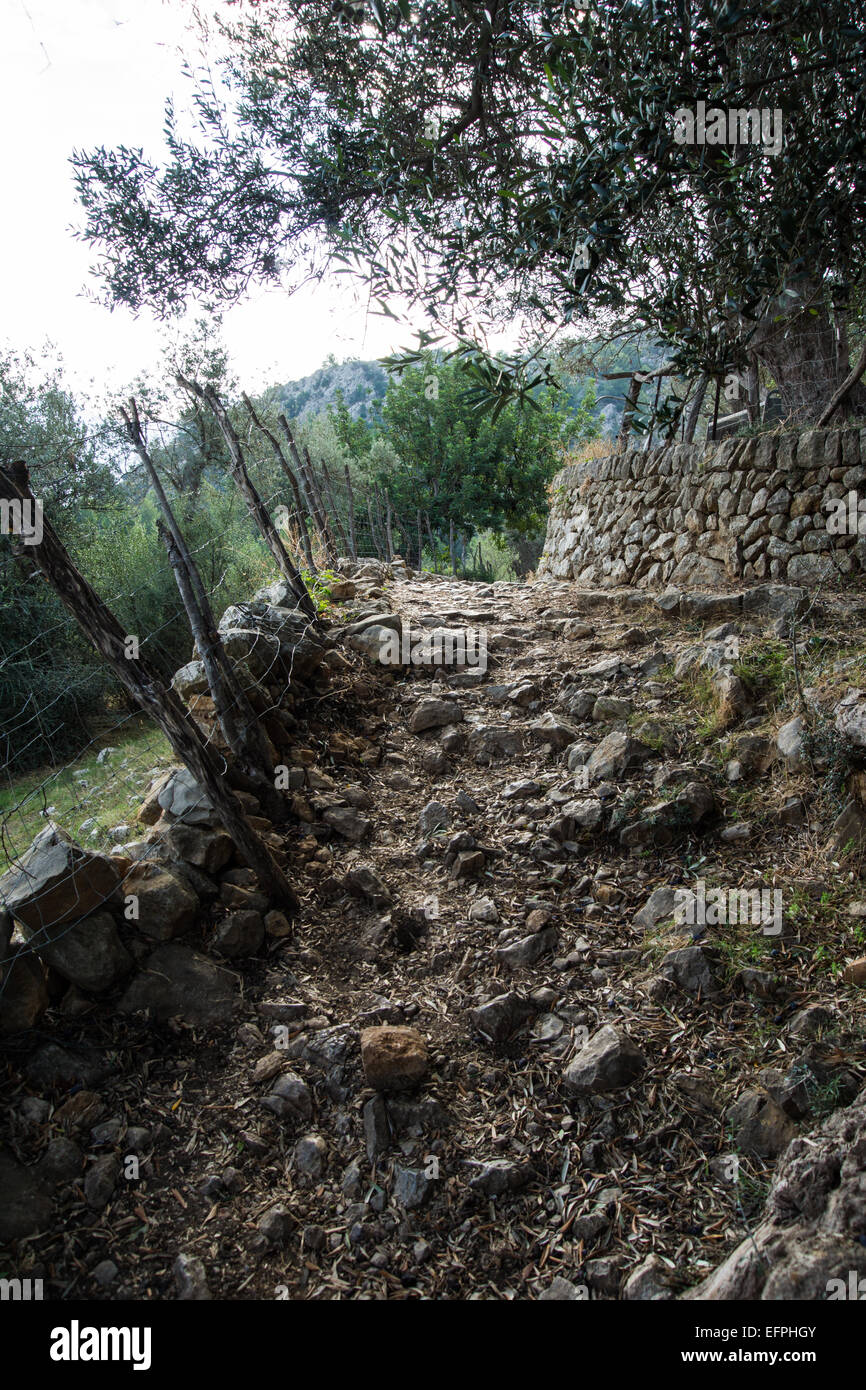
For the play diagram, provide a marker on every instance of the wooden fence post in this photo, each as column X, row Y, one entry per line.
column 258, row 510
column 143, row 683
column 234, row 712
column 338, row 520
column 300, row 506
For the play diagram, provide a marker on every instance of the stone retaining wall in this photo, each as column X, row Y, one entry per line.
column 742, row 509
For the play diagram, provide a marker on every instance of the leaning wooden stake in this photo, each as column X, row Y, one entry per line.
column 235, row 714
column 338, row 520
column 847, row 386
column 309, row 486
column 300, row 507
column 320, row 501
column 691, row 419
column 258, row 510
column 105, row 633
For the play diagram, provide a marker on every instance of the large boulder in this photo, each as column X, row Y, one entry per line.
column 166, row 905
column 56, row 881
column 811, row 1241
column 275, row 642
column 550, row 728
column 205, row 849
column 616, row 754
column 190, row 680
column 432, row 713
column 89, row 954
column 377, row 643
column 393, row 1057
column 851, row 717
column 609, row 1061
column 182, row 799
column 179, row 982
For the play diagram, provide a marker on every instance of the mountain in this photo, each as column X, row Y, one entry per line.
column 360, row 382
column 363, row 382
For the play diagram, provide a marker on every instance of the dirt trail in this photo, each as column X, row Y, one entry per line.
column 478, row 880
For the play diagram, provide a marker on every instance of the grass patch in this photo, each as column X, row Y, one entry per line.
column 109, row 792
column 766, row 670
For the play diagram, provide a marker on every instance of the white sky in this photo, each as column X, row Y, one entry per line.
column 82, row 73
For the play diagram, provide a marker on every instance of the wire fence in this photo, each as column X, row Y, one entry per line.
column 228, row 719
column 818, row 382
column 233, row 731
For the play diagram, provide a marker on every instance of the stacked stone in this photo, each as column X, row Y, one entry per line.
column 743, row 509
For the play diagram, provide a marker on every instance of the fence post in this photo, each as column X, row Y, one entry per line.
column 259, row 512
column 373, row 537
column 338, row 520
column 327, row 533
column 105, row 633
column 388, row 531
column 353, row 544
column 284, row 464
column 310, row 491
column 243, row 734
column 433, row 547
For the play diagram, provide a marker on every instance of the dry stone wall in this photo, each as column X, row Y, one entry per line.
column 783, row 506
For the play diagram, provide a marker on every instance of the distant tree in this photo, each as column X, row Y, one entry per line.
column 458, row 464
column 355, row 435
column 50, row 679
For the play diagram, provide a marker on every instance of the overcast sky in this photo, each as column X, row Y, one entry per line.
column 81, row 73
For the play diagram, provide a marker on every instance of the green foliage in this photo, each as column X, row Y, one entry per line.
column 52, row 683
column 460, row 465
column 354, row 435
column 460, row 156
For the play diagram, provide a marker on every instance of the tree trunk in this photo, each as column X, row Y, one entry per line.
column 300, row 508
column 694, row 411
column 801, row 353
column 628, row 412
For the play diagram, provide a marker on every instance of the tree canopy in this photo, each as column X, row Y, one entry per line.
column 513, row 160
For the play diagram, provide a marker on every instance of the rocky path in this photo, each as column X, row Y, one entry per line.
column 487, row 1062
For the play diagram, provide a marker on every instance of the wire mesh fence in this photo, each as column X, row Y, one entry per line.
column 230, row 727
column 816, row 385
